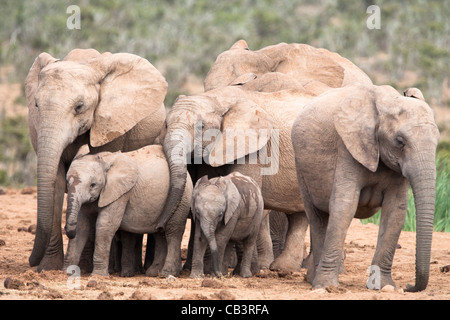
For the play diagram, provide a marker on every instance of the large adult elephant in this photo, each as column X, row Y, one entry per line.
column 315, row 69
column 357, row 149
column 111, row 101
column 250, row 92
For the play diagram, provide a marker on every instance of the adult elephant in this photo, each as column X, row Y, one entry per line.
column 315, row 69
column 111, row 101
column 253, row 91
column 357, row 149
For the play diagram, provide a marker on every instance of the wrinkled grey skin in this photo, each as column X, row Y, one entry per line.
column 227, row 210
column 279, row 224
column 125, row 191
column 249, row 89
column 357, row 149
column 78, row 100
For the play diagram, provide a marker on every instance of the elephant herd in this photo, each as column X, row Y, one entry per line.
column 281, row 138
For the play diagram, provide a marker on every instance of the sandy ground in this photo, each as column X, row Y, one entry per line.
column 19, row 281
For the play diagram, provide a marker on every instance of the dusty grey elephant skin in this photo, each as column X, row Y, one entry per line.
column 123, row 191
column 226, row 210
column 77, row 100
column 254, row 91
column 357, row 149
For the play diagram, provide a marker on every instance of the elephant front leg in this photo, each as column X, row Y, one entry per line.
column 248, row 257
column 108, row 222
column 393, row 214
column 264, row 244
column 200, row 245
column 160, row 254
column 85, row 224
column 290, row 260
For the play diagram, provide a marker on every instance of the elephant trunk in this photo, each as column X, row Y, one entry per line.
column 176, row 150
column 73, row 208
column 49, row 151
column 422, row 177
column 209, row 232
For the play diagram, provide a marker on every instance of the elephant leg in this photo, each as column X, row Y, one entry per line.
column 172, row 264
column 108, row 222
column 343, row 204
column 131, row 259
column 115, row 253
column 393, row 214
column 54, row 255
column 231, row 258
column 159, row 256
column 290, row 260
column 200, row 245
column 247, row 256
column 264, row 245
column 318, row 222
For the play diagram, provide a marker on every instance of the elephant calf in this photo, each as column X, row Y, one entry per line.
column 226, row 210
column 125, row 191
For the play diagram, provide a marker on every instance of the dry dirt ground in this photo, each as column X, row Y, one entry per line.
column 18, row 212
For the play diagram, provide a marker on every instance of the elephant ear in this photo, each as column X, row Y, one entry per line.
column 122, row 175
column 232, row 195
column 246, row 128
column 414, row 93
column 202, row 180
column 356, row 121
column 132, row 89
column 31, row 85
column 81, row 55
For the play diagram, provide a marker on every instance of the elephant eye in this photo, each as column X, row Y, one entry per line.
column 79, row 107
column 36, row 105
column 400, row 141
column 93, row 185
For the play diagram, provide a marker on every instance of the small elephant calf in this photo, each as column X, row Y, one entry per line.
column 226, row 210
column 127, row 191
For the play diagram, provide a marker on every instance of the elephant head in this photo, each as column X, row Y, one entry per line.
column 86, row 94
column 316, row 69
column 104, row 177
column 378, row 123
column 218, row 126
column 214, row 201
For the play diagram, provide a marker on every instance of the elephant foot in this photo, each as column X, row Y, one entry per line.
column 285, row 263
column 165, row 272
column 378, row 279
column 127, row 273
column 323, row 279
column 153, row 271
column 318, row 283
column 52, row 261
column 196, row 274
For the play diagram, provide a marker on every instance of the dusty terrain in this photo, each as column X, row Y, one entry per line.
column 18, row 212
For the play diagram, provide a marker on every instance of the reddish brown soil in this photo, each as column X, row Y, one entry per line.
column 18, row 212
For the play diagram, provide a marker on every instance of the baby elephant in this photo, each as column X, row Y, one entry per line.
column 226, row 210
column 127, row 191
